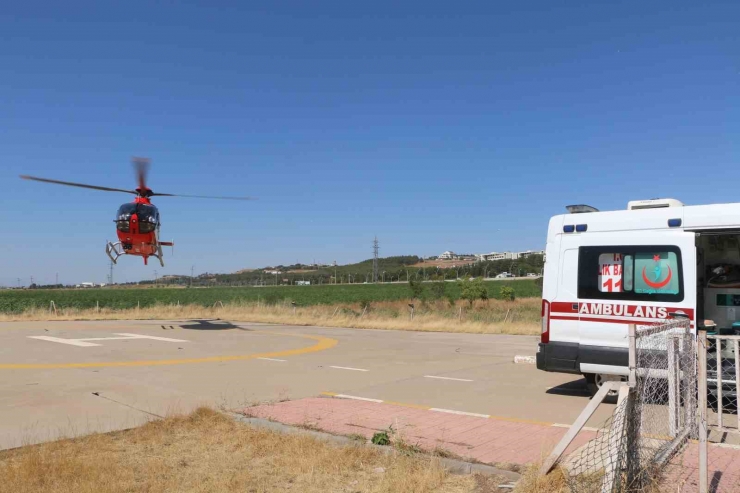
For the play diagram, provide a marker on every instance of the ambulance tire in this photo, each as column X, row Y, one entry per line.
column 593, row 384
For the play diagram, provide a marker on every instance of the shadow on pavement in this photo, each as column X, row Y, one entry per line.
column 576, row 388
column 216, row 324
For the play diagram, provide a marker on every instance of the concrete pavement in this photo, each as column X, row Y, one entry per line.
column 67, row 378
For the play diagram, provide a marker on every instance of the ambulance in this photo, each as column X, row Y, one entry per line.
column 656, row 260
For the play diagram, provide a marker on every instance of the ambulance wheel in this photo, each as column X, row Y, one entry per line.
column 594, row 382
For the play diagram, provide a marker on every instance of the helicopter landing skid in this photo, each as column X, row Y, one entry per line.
column 114, row 250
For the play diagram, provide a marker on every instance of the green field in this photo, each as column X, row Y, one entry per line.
column 16, row 301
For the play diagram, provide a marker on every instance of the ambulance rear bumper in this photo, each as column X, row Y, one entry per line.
column 567, row 357
column 561, row 357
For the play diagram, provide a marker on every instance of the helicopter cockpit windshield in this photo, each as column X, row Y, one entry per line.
column 147, row 214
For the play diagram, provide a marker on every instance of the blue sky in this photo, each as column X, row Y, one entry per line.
column 435, row 125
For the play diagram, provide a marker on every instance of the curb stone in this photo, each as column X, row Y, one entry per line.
column 454, row 466
column 529, row 360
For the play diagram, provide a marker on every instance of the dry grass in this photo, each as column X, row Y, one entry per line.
column 489, row 317
column 207, row 451
column 532, row 482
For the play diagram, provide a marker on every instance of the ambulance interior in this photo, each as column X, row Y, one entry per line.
column 718, row 280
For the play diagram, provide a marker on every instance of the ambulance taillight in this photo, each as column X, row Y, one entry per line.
column 545, row 337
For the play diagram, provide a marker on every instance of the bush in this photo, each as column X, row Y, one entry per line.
column 473, row 289
column 383, row 437
column 365, row 305
column 507, row 293
column 417, row 288
column 438, row 289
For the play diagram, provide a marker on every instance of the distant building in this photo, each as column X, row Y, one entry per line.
column 531, row 252
column 508, row 255
column 498, row 256
column 447, row 256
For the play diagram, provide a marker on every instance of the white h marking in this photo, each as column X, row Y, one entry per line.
column 84, row 342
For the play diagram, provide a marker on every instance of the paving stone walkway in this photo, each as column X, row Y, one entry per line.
column 490, row 440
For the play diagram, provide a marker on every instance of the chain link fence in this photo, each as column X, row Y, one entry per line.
column 654, row 418
column 719, row 436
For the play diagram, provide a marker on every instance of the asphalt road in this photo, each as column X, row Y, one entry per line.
column 69, row 378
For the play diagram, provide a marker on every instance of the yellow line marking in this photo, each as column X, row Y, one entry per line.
column 322, row 344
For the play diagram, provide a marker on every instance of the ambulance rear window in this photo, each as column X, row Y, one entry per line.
column 647, row 273
column 610, row 272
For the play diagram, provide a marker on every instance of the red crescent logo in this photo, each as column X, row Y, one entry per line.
column 657, row 285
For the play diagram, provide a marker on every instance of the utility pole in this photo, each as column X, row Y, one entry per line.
column 335, row 272
column 375, row 260
column 192, row 269
column 155, row 277
column 31, row 281
column 110, row 276
column 57, row 281
column 19, row 282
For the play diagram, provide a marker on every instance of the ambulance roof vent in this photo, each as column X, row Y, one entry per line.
column 634, row 205
column 580, row 208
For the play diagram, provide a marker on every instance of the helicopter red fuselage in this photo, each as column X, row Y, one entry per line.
column 137, row 227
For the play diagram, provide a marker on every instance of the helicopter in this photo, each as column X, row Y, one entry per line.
column 137, row 222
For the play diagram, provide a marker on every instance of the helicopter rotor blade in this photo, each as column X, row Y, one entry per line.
column 71, row 184
column 201, row 196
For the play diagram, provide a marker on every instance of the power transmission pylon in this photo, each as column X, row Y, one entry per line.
column 375, row 260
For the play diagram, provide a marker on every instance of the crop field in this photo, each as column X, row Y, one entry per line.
column 17, row 301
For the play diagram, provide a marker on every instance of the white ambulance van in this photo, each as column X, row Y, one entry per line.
column 656, row 260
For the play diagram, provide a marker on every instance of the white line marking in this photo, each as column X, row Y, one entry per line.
column 104, row 339
column 463, row 413
column 347, row 368
column 354, row 397
column 273, row 359
column 154, row 338
column 529, row 360
column 448, row 378
column 71, row 342
column 586, row 428
column 86, row 341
